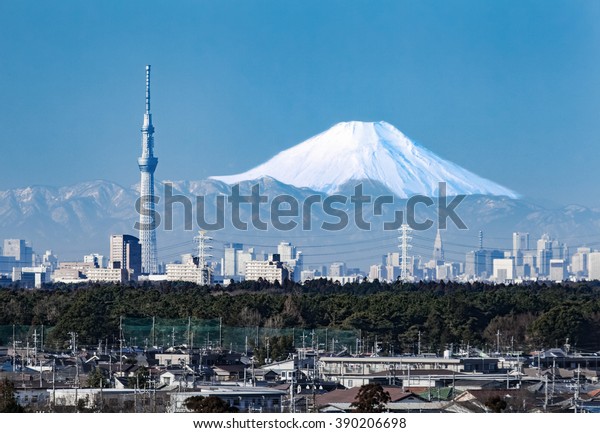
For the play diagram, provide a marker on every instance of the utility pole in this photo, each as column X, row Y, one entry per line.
column 120, row 344
column 546, row 394
column 498, row 341
column 153, row 331
column 189, row 332
column 76, row 382
column 576, row 396
column 53, row 384
column 14, row 350
column 73, row 336
column 268, row 345
column 292, row 400
column 553, row 379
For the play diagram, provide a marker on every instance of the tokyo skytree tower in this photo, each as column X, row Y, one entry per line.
column 147, row 163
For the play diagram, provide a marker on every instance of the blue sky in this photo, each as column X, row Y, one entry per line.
column 507, row 89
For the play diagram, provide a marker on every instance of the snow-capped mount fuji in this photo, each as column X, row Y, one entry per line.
column 373, row 151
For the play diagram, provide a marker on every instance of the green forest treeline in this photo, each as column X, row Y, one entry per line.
column 529, row 317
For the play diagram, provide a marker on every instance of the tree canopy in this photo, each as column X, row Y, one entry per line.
column 371, row 398
column 399, row 315
column 211, row 404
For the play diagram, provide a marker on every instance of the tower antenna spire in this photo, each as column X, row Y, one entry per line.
column 147, row 89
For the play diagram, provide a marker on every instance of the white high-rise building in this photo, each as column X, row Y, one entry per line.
column 337, row 269
column 49, row 260
column 189, row 270
column 147, row 164
column 308, row 274
column 579, row 262
column 243, row 257
column 504, row 269
column 392, row 259
column 444, row 272
column 20, row 250
column 125, row 253
column 558, row 270
column 292, row 259
column 392, row 273
column 520, row 242
column 594, row 265
column 520, row 246
column 230, row 259
column 268, row 270
column 544, row 254
column 286, row 251
column 98, row 260
column 377, row 272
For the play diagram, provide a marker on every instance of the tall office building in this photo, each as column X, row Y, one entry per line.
column 544, row 254
column 520, row 246
column 286, row 251
column 579, row 261
column 291, row 258
column 558, row 270
column 242, row 257
column 230, row 259
column 520, row 242
column 126, row 253
column 147, row 164
column 504, row 269
column 20, row 250
column 476, row 264
column 337, row 269
column 594, row 265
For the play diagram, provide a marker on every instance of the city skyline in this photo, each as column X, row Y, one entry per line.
column 489, row 89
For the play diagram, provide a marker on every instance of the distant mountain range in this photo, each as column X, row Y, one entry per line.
column 79, row 219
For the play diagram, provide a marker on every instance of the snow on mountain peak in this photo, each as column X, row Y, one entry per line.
column 375, row 151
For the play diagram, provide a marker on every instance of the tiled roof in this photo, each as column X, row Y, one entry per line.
column 349, row 395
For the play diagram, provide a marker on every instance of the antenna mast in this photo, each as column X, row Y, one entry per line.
column 147, row 89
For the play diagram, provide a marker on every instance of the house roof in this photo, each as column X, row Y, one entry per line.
column 233, row 368
column 282, row 386
column 349, row 395
column 594, row 393
column 487, row 383
column 480, row 394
